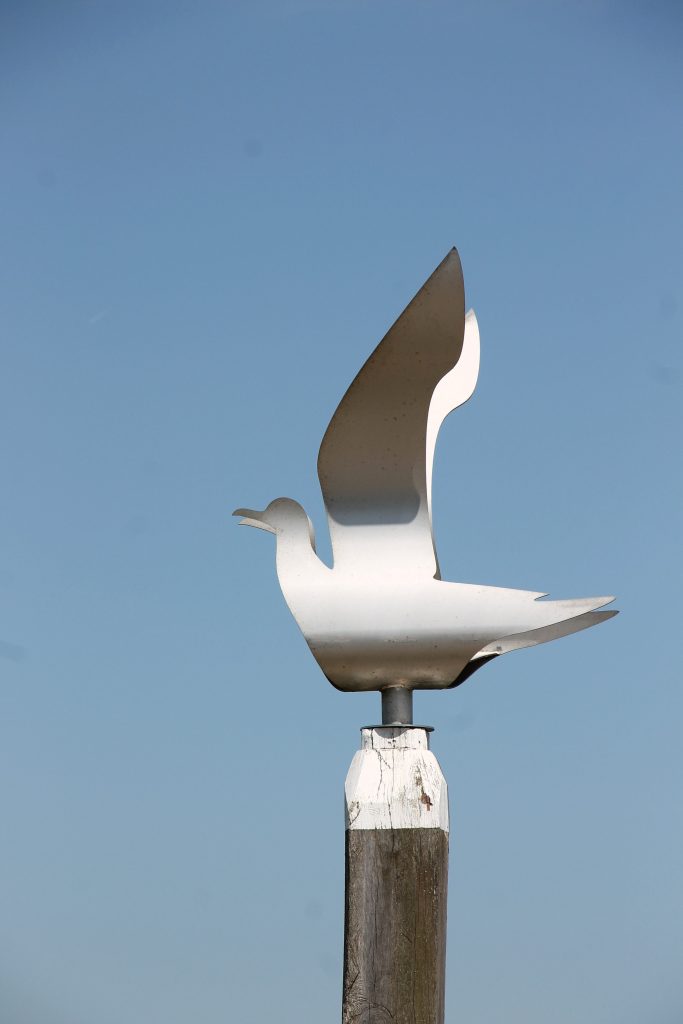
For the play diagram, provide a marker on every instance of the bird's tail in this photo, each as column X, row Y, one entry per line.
column 553, row 631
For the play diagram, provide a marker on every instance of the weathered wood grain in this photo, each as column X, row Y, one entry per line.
column 395, row 926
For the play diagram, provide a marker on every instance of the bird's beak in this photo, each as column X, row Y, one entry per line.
column 252, row 518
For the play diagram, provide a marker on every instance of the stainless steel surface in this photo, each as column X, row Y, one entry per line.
column 381, row 616
column 397, row 706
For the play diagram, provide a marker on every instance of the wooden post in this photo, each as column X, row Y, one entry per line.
column 396, row 880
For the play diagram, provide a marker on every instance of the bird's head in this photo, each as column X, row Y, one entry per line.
column 281, row 515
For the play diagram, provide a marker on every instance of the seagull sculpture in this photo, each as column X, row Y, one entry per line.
column 382, row 618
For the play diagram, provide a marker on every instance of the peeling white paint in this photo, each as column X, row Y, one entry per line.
column 395, row 782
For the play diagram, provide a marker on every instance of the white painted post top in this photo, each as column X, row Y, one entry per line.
column 393, row 737
column 395, row 781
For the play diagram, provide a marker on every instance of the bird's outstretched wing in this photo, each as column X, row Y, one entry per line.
column 375, row 458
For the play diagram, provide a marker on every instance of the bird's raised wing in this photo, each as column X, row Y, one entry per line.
column 452, row 391
column 375, row 458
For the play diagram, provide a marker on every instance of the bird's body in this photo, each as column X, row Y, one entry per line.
column 381, row 617
column 372, row 629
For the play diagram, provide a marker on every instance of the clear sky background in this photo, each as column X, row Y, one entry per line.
column 211, row 213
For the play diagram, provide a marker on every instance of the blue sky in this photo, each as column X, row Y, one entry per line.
column 211, row 213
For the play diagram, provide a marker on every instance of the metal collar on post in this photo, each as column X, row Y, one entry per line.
column 397, row 710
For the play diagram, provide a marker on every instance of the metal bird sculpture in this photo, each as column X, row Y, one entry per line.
column 382, row 618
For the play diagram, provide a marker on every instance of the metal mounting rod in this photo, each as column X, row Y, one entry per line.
column 397, row 706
